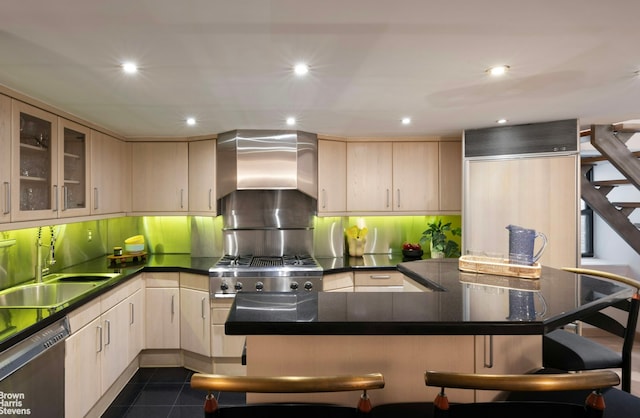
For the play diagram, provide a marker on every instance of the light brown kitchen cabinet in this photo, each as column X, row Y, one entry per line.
column 136, row 318
column 162, row 310
column 415, row 176
column 369, row 177
column 195, row 314
column 34, row 163
column 5, row 159
column 73, row 177
column 451, row 176
column 115, row 343
column 110, row 174
column 548, row 205
column 50, row 165
column 225, row 349
column 332, row 174
column 400, row 177
column 160, row 177
column 83, row 369
column 338, row 282
column 202, row 177
column 97, row 351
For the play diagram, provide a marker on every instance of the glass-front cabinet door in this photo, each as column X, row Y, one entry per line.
column 34, row 191
column 5, row 158
column 73, row 156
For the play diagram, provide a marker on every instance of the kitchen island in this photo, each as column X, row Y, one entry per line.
column 464, row 322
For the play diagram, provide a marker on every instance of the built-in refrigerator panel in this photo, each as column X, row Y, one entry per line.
column 532, row 189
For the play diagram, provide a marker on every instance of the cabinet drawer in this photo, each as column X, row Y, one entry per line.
column 379, row 278
column 337, row 281
column 162, row 279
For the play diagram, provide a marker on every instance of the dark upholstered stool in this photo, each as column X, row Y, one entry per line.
column 568, row 351
column 619, row 404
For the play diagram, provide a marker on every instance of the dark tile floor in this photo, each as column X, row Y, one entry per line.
column 164, row 392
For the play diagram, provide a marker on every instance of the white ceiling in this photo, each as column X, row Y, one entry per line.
column 228, row 63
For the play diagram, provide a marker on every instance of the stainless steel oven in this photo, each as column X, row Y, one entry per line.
column 247, row 273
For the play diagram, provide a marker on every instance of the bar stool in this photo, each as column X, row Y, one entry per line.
column 593, row 406
column 287, row 384
column 569, row 351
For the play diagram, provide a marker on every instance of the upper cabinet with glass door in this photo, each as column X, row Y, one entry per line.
column 5, row 159
column 49, row 165
column 74, row 164
column 34, row 163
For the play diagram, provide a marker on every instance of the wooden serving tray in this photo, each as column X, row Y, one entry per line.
column 499, row 267
column 122, row 259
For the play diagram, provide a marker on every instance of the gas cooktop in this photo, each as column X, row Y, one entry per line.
column 250, row 261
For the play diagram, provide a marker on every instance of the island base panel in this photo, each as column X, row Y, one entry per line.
column 401, row 359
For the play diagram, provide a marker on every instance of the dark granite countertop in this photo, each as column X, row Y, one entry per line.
column 17, row 324
column 460, row 304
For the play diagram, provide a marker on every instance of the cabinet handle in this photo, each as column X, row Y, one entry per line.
column 65, row 198
column 398, row 197
column 380, row 276
column 99, row 329
column 108, row 323
column 131, row 313
column 95, row 198
column 202, row 307
column 181, row 198
column 387, row 197
column 210, row 199
column 55, row 194
column 324, row 198
column 173, row 297
column 7, row 195
column 488, row 364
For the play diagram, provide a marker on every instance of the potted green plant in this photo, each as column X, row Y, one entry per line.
column 441, row 245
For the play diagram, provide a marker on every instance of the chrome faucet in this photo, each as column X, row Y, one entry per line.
column 40, row 269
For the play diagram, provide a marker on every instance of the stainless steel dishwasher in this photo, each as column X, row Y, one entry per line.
column 32, row 374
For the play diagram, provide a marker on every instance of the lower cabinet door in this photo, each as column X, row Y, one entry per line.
column 83, row 369
column 162, row 317
column 195, row 321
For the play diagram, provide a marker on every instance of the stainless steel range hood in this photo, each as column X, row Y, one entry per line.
column 267, row 160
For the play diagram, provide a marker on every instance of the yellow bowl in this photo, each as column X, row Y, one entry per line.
column 136, row 239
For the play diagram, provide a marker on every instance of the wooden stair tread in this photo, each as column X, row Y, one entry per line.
column 598, row 158
column 610, row 182
column 626, row 204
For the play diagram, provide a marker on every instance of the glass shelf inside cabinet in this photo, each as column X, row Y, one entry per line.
column 35, row 163
column 74, row 169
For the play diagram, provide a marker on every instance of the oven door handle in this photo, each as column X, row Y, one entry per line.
column 224, row 295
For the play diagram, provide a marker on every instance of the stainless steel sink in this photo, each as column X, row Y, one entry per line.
column 79, row 277
column 44, row 295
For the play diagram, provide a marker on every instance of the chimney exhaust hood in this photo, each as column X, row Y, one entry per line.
column 249, row 159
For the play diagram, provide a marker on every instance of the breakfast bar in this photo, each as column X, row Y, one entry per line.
column 463, row 322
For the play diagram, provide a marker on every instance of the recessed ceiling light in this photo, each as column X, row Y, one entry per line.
column 301, row 69
column 129, row 67
column 501, row 121
column 498, row 70
column 406, row 121
column 291, row 121
column 191, row 121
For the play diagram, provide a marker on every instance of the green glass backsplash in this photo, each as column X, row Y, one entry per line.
column 386, row 234
column 78, row 242
column 393, row 231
